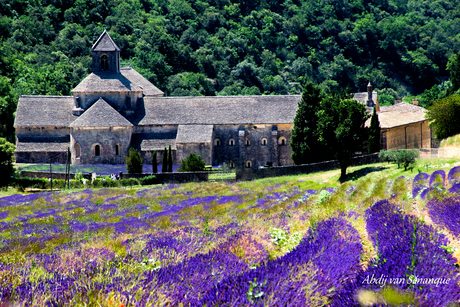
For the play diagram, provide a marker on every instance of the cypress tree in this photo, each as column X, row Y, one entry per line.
column 170, row 162
column 164, row 166
column 154, row 162
column 374, row 133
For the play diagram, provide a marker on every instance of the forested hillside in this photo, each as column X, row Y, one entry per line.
column 229, row 47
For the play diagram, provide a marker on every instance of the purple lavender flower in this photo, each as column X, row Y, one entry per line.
column 407, row 249
column 419, row 183
column 323, row 246
column 438, row 178
column 454, row 175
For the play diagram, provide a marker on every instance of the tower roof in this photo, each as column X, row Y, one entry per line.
column 105, row 43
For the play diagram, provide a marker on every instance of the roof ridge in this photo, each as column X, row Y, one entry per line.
column 105, row 34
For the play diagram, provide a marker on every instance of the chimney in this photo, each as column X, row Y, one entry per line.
column 370, row 102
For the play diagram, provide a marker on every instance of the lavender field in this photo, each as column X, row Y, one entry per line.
column 380, row 239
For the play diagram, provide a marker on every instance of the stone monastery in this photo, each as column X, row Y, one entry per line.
column 115, row 108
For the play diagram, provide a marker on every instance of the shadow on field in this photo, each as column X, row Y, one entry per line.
column 361, row 173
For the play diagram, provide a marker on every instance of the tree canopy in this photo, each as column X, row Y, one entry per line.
column 6, row 161
column 341, row 128
column 228, row 47
column 444, row 116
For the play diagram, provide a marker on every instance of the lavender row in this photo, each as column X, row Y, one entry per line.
column 410, row 258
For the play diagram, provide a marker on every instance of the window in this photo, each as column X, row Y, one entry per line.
column 231, row 164
column 216, row 142
column 248, row 164
column 248, row 143
column 77, row 150
column 32, row 160
column 263, row 142
column 282, row 141
column 97, row 150
column 231, row 142
column 104, row 62
column 117, row 150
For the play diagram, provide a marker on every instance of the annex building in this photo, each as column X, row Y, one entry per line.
column 115, row 108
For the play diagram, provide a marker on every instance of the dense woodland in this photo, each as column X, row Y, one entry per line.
column 230, row 47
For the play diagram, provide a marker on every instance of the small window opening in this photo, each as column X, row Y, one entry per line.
column 248, row 143
column 97, row 150
column 216, row 142
column 231, row 142
column 77, row 150
column 248, row 164
column 231, row 164
column 117, row 150
column 32, row 160
column 264, row 142
column 104, row 62
column 282, row 141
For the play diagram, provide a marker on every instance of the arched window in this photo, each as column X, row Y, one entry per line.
column 282, row 141
column 97, row 150
column 32, row 160
column 248, row 143
column 231, row 142
column 104, row 62
column 117, row 150
column 77, row 150
column 263, row 142
column 248, row 164
column 216, row 142
column 231, row 164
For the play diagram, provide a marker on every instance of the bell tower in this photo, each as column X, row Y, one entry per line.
column 106, row 55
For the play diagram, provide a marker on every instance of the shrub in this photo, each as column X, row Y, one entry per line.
column 404, row 157
column 129, row 182
column 134, row 162
column 148, row 180
column 25, row 182
column 192, row 163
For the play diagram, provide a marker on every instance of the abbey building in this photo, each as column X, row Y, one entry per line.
column 115, row 108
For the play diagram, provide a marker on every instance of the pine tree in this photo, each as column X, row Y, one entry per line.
column 154, row 162
column 134, row 162
column 304, row 138
column 374, row 133
column 170, row 162
column 164, row 166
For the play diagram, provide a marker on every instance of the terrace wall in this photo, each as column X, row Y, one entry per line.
column 251, row 174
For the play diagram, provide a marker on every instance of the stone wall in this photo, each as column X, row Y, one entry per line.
column 40, row 157
column 201, row 149
column 416, row 135
column 106, row 138
column 259, row 144
column 43, row 174
column 243, row 174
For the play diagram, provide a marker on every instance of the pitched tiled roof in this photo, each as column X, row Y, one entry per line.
column 42, row 145
column 219, row 110
column 400, row 114
column 101, row 114
column 153, row 141
column 194, row 134
column 363, row 96
column 105, row 43
column 44, row 111
column 128, row 80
